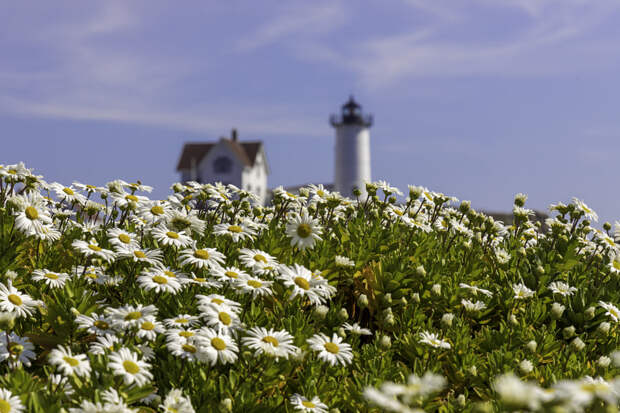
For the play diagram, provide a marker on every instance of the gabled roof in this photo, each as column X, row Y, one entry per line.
column 245, row 151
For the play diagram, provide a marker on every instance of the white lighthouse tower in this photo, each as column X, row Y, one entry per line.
column 352, row 167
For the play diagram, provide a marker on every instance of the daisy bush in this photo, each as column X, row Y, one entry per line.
column 204, row 301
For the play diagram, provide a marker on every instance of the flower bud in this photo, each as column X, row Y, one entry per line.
column 526, row 366
column 540, row 270
column 420, row 271
column 341, row 332
column 356, row 192
column 436, row 289
column 521, row 252
column 461, row 400
column 578, row 344
column 226, row 405
column 465, row 207
column 531, row 346
column 320, row 311
column 606, row 226
column 513, row 319
column 343, row 314
column 385, row 342
column 615, row 357
column 603, row 328
column 7, row 320
column 387, row 299
column 74, row 311
column 520, row 199
column 557, row 310
column 446, row 319
column 362, row 300
column 568, row 332
column 473, row 371
column 402, row 301
column 590, row 312
column 415, row 297
column 11, row 275
column 603, row 362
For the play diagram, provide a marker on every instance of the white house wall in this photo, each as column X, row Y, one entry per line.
column 207, row 173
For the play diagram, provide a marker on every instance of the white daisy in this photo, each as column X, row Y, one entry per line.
column 433, row 340
column 202, row 257
column 122, row 238
column 238, row 232
column 104, row 344
column 14, row 301
column 137, row 254
column 159, row 281
column 10, row 403
column 270, row 342
column 473, row 307
column 205, row 301
column 182, row 321
column 167, row 237
column 125, row 363
column 18, row 350
column 332, row 351
column 246, row 284
column 303, row 230
column 92, row 249
column 302, row 282
column 356, row 329
column 306, row 405
column 149, row 329
column 216, row 347
column 175, row 402
column 259, row 261
column 95, row 324
column 221, row 317
column 475, row 290
column 68, row 363
column 559, row 287
column 228, row 274
column 521, row 291
column 612, row 310
column 52, row 279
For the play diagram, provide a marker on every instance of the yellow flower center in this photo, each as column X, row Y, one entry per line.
column 331, row 347
column 217, row 301
column 235, row 228
column 157, row 210
column 218, row 343
column 304, row 230
column 31, row 213
column 68, row 191
column 126, row 239
column 181, row 320
column 302, row 283
column 616, row 264
column 134, row 315
column 320, row 193
column 94, row 247
column 271, row 340
column 260, row 258
column 15, row 299
column 131, row 367
column 398, row 212
column 147, row 325
column 255, row 283
column 308, row 404
column 189, row 348
column 231, row 274
column 186, row 334
column 224, row 318
column 202, row 254
column 139, row 254
column 170, row 274
column 160, row 280
column 91, row 275
column 291, row 195
column 131, row 198
column 51, row 276
column 173, row 235
column 101, row 324
column 15, row 348
column 71, row 361
column 200, row 279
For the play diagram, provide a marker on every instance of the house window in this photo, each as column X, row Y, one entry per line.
column 222, row 165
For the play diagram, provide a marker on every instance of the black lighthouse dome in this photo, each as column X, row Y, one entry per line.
column 351, row 114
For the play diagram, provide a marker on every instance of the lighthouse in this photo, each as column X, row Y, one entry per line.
column 352, row 168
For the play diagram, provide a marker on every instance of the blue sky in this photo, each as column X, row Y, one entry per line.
column 479, row 99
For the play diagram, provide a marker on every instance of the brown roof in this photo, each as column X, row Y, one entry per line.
column 246, row 151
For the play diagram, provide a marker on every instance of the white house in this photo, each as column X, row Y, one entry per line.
column 229, row 161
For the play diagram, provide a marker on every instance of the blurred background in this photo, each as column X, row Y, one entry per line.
column 479, row 99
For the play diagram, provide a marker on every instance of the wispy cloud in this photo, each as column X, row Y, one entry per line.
column 309, row 20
